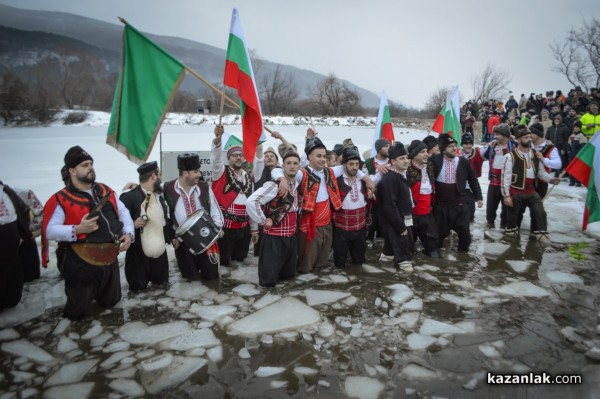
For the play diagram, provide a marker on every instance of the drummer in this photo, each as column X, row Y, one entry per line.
column 232, row 186
column 66, row 220
column 146, row 259
column 186, row 195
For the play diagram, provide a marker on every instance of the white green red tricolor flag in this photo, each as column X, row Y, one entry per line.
column 585, row 167
column 383, row 129
column 448, row 121
column 239, row 75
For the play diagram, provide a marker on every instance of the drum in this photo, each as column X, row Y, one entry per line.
column 198, row 232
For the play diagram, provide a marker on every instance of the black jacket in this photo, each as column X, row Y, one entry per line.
column 394, row 200
column 464, row 174
column 133, row 202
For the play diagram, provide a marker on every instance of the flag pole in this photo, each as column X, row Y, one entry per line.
column 554, row 185
column 222, row 104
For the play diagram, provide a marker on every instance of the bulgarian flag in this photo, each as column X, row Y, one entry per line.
column 448, row 121
column 585, row 167
column 145, row 90
column 239, row 75
column 383, row 129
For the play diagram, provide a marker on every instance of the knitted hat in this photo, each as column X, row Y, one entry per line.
column 467, row 139
column 148, row 167
column 415, row 147
column 537, row 128
column 445, row 140
column 272, row 151
column 430, row 142
column 397, row 150
column 188, row 162
column 75, row 156
column 337, row 149
column 502, row 129
column 313, row 143
column 233, row 149
column 380, row 143
column 521, row 131
column 349, row 153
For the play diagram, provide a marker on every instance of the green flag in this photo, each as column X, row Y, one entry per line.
column 148, row 81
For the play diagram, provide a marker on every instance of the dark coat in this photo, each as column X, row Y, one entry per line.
column 464, row 173
column 22, row 211
column 559, row 135
column 394, row 200
column 133, row 202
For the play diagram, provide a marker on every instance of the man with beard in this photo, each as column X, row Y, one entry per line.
column 91, row 269
column 265, row 161
column 452, row 173
column 320, row 196
column 468, row 151
column 371, row 167
column 395, row 207
column 521, row 169
column 232, row 186
column 351, row 220
column 546, row 152
column 277, row 215
column 146, row 259
column 420, row 179
column 500, row 146
column 184, row 196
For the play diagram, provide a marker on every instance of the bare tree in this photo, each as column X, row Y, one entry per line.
column 578, row 56
column 278, row 92
column 332, row 97
column 436, row 100
column 491, row 83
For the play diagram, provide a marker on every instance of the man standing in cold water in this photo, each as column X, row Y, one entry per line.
column 95, row 226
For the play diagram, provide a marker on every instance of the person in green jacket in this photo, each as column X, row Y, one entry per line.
column 591, row 121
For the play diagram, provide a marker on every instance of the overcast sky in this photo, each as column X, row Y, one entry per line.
column 408, row 48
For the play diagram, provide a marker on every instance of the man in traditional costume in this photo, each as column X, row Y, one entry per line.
column 14, row 230
column 395, row 206
column 472, row 153
column 452, row 173
column 277, row 215
column 232, row 186
column 547, row 153
column 92, row 242
column 184, row 196
column 421, row 181
column 350, row 228
column 521, row 169
column 494, row 152
column 146, row 259
column 371, row 167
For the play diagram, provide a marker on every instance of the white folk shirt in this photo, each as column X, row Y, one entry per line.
column 8, row 213
column 194, row 195
column 264, row 195
column 554, row 161
column 499, row 158
column 451, row 178
column 426, row 187
column 377, row 176
column 355, row 198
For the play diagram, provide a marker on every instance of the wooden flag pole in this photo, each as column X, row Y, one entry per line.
column 554, row 185
column 222, row 104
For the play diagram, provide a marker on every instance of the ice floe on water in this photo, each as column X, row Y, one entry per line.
column 71, row 373
column 363, row 387
column 26, row 349
column 139, row 333
column 520, row 288
column 318, row 297
column 556, row 276
column 519, row 266
column 173, row 374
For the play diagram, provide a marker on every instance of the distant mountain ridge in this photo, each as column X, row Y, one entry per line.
column 104, row 39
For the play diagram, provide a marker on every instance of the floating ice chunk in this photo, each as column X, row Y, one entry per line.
column 157, row 362
column 370, row 370
column 377, row 302
column 65, row 344
column 419, row 342
column 593, row 353
column 191, row 290
column 409, row 320
column 400, row 293
column 115, row 358
column 138, row 333
column 415, row 305
column 29, row 392
column 116, row 347
column 363, row 387
column 71, row 373
column 28, row 350
column 462, row 283
column 267, row 299
column 521, row 288
column 494, row 250
column 215, row 354
column 434, row 327
column 285, row 314
column 301, row 370
column 461, row 301
column 489, row 351
column 8, row 334
column 146, row 353
column 326, row 329
column 267, row 339
column 61, row 327
column 413, row 371
column 22, row 376
column 429, row 277
column 371, row 269
column 174, row 374
column 466, row 326
column 277, row 384
column 519, row 266
column 561, row 277
column 129, row 388
column 350, row 301
column 245, row 274
column 123, row 373
column 94, row 330
column 246, row 290
column 101, row 339
column 81, row 390
column 338, row 278
column 213, row 312
column 324, row 383
column 204, row 338
column 244, row 354
column 317, row 297
column 269, row 371
column 307, row 277
column 471, row 384
column 234, row 301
